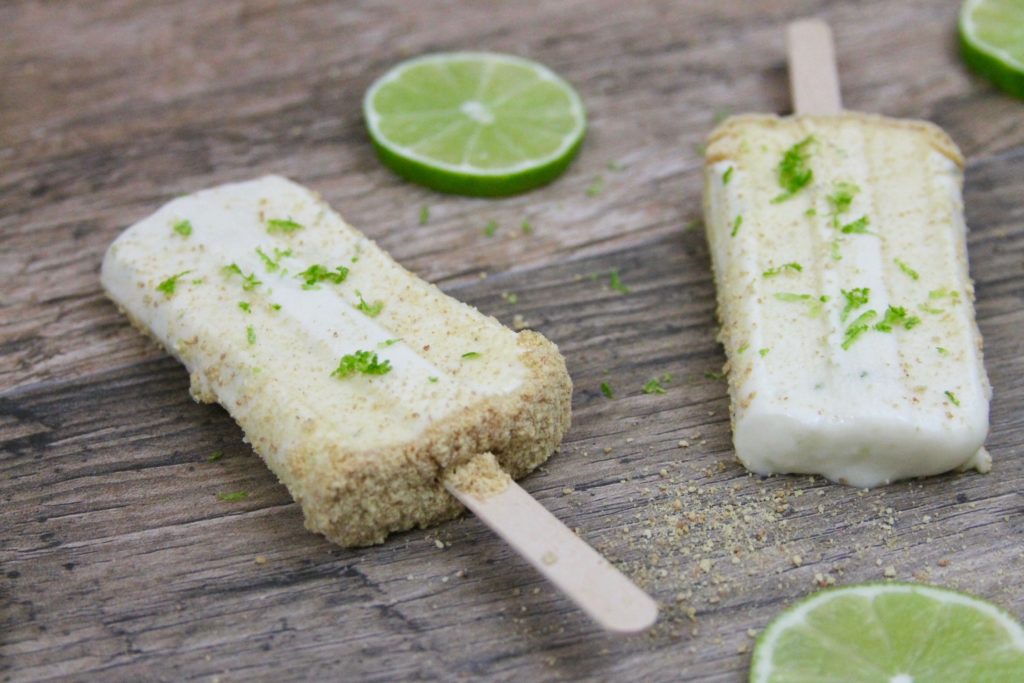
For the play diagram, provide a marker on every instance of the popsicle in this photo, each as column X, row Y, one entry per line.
column 379, row 401
column 839, row 250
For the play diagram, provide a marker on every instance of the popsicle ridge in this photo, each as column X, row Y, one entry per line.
column 844, row 296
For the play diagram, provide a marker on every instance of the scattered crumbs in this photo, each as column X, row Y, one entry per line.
column 568, row 491
column 518, row 322
column 615, row 283
column 215, row 456
column 491, row 228
column 233, row 497
column 596, row 187
column 471, row 354
column 606, row 389
column 285, row 225
column 183, row 227
column 260, row 559
column 823, row 581
column 424, row 215
column 683, row 443
column 797, row 560
column 439, row 544
column 510, row 297
column 889, row 572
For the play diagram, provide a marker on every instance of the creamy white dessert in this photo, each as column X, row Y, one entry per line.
column 839, row 250
column 358, row 384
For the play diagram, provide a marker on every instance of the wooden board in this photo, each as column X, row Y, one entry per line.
column 117, row 560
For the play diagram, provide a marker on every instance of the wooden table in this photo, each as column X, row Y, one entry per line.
column 120, row 563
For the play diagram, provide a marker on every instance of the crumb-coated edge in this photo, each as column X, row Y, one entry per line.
column 372, row 495
column 724, row 140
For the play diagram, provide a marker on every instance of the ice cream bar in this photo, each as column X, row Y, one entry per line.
column 360, row 385
column 839, row 252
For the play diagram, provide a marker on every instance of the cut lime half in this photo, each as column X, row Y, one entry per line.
column 475, row 123
column 992, row 41
column 890, row 633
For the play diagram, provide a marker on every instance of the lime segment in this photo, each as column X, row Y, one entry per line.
column 890, row 633
column 475, row 123
column 992, row 41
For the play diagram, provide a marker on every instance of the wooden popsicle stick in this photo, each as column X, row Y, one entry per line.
column 563, row 558
column 813, row 78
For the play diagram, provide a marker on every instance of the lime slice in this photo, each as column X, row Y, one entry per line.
column 475, row 123
column 890, row 633
column 992, row 41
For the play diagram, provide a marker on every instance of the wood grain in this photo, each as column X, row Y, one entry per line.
column 117, row 560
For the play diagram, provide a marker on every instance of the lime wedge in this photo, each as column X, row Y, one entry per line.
column 890, row 633
column 992, row 41
column 476, row 123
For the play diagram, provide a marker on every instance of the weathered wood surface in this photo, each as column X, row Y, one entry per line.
column 120, row 563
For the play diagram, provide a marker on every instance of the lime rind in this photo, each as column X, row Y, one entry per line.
column 543, row 122
column 943, row 615
column 995, row 62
